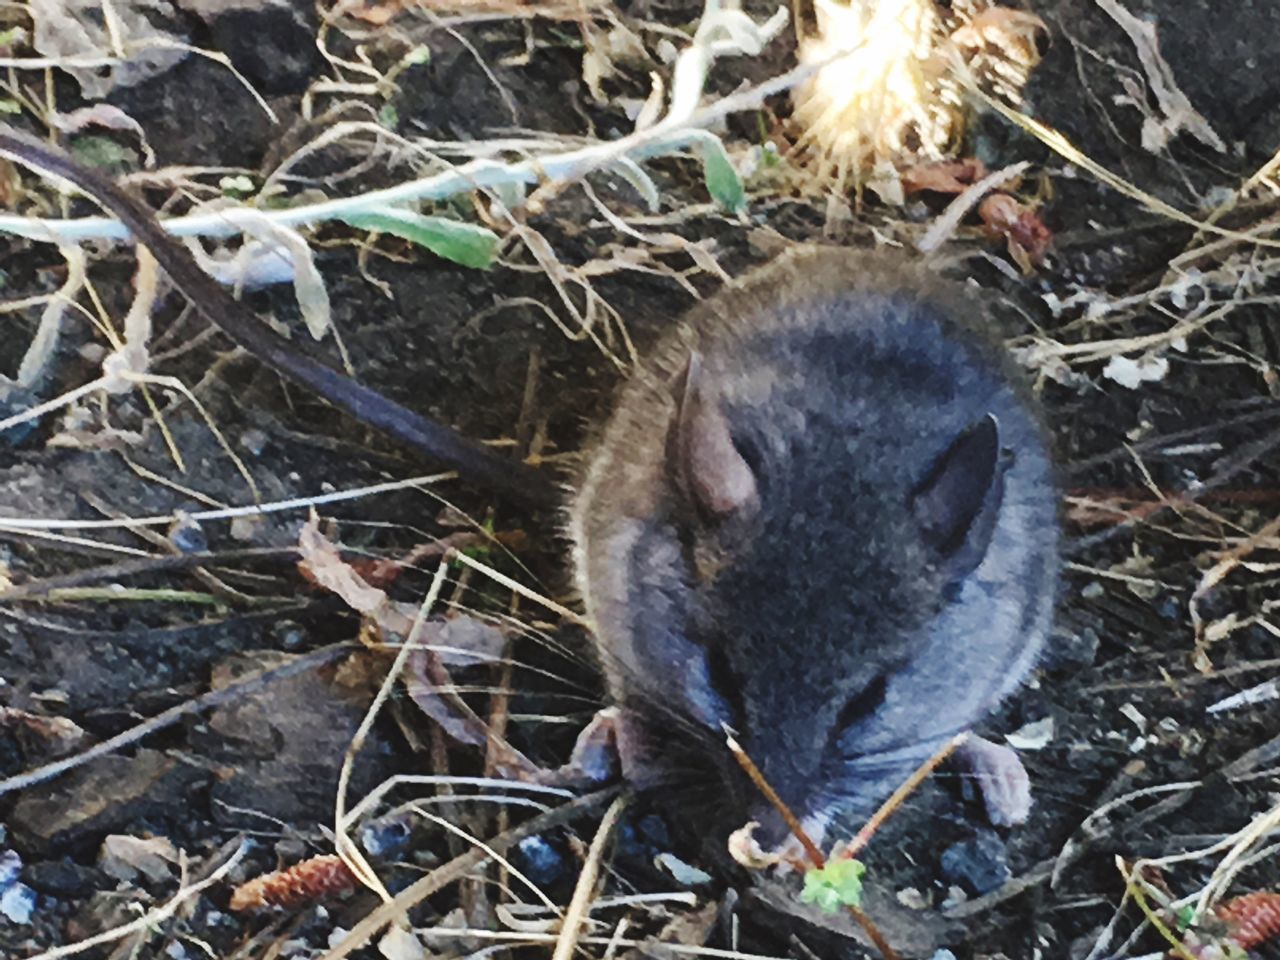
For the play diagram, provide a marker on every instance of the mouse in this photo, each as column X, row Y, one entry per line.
column 823, row 516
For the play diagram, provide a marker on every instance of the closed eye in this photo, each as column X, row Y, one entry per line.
column 861, row 705
column 724, row 682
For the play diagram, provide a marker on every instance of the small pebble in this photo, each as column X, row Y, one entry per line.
column 540, row 861
column 10, row 867
column 684, row 874
column 18, row 903
column 254, row 441
column 913, row 899
column 290, row 635
column 979, row 864
column 187, row 536
column 243, row 529
column 62, row 878
column 15, row 401
column 1071, row 650
column 386, row 836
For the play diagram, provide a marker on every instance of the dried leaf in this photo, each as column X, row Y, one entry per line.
column 949, row 176
column 274, row 254
column 124, row 857
column 1179, row 114
column 401, row 944
column 1133, row 373
column 72, row 30
column 102, row 115
column 322, row 564
column 1027, row 236
column 377, row 12
column 59, row 735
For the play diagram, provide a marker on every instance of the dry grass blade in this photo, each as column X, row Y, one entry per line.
column 346, row 847
column 148, row 920
column 905, row 789
column 227, row 694
column 1058, row 142
column 576, row 914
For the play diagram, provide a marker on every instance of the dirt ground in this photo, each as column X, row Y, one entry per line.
column 1164, row 614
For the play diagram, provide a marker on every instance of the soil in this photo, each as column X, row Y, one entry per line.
column 106, row 628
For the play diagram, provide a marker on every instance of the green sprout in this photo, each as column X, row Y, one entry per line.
column 836, row 885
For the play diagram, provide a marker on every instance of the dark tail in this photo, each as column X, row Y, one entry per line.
column 473, row 462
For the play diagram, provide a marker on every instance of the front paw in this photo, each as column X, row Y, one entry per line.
column 997, row 771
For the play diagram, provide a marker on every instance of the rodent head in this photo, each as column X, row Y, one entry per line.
column 792, row 554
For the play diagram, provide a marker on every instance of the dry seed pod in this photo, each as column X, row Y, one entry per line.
column 893, row 102
column 1253, row 919
column 295, row 886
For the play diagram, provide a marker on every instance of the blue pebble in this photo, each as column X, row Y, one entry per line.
column 18, row 903
column 979, row 864
column 540, row 861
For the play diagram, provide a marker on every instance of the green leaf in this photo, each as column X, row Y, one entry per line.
column 102, row 152
column 10, row 106
column 722, row 180
column 838, row 884
column 464, row 243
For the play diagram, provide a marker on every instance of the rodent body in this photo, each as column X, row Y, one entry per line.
column 823, row 515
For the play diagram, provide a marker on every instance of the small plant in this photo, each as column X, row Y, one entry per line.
column 835, row 885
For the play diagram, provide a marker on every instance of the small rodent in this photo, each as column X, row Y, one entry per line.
column 823, row 515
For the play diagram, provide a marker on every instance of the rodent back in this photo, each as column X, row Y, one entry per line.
column 803, row 508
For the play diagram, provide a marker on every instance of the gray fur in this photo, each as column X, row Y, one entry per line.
column 843, row 376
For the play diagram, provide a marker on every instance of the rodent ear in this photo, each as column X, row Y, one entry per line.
column 706, row 466
column 957, row 503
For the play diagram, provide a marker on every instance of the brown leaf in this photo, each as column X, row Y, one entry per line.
column 949, row 176
column 1026, row 234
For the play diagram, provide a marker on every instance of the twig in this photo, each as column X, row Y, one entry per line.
column 753, row 773
column 815, row 855
column 659, row 140
column 905, row 789
column 151, row 918
column 571, row 925
column 213, row 698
